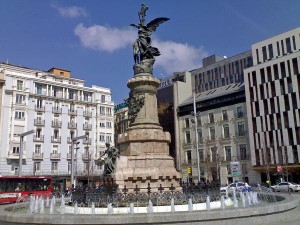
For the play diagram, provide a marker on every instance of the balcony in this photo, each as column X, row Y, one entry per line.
column 87, row 126
column 39, row 108
column 38, row 138
column 40, row 92
column 56, row 139
column 37, row 156
column 72, row 112
column 87, row 141
column 56, row 110
column 72, row 125
column 87, row 114
column 12, row 155
column 56, row 123
column 86, row 156
column 69, row 155
column 39, row 122
column 55, row 156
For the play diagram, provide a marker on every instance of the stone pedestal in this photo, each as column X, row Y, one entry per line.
column 144, row 148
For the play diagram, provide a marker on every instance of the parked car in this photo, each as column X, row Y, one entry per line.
column 285, row 186
column 237, row 186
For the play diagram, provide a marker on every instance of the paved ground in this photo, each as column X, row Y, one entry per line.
column 295, row 219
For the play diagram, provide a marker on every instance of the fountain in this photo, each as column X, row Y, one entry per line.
column 142, row 185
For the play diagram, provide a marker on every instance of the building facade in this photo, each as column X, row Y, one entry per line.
column 222, row 136
column 58, row 108
column 221, row 71
column 272, row 93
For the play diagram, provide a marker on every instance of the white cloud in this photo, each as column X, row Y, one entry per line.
column 71, row 11
column 174, row 56
column 178, row 56
column 103, row 38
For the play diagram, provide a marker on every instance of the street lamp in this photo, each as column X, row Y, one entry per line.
column 21, row 149
column 196, row 134
column 72, row 157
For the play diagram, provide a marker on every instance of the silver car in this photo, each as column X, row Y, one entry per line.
column 286, row 186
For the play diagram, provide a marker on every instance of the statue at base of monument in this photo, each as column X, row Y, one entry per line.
column 109, row 158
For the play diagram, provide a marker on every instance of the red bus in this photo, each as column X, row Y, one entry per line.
column 13, row 188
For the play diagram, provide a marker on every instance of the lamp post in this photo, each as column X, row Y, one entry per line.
column 21, row 149
column 72, row 157
column 196, row 134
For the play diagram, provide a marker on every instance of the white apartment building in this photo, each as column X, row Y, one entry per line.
column 273, row 103
column 222, row 135
column 58, row 108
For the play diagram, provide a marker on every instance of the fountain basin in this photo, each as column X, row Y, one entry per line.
column 268, row 213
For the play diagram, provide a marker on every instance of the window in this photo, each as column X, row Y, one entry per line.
column 108, row 124
column 54, row 166
column 228, row 170
column 225, row 131
column 200, row 138
column 288, row 45
column 102, row 137
column 243, row 152
column 55, row 149
column 188, row 157
column 212, row 133
column 108, row 111
column 241, row 128
column 56, row 134
column 199, row 120
column 38, row 133
column 86, row 96
column 224, row 115
column 103, row 98
column 36, row 167
column 201, row 154
column 39, row 89
column 20, row 99
column 264, row 51
column 39, row 103
column 228, row 153
column 211, row 117
column 187, row 137
column 187, row 122
column 16, row 150
column 270, row 49
column 102, row 124
column 108, row 138
column 102, row 110
column 19, row 115
column 240, row 112
column 20, row 85
column 214, row 154
column 71, row 94
column 37, row 149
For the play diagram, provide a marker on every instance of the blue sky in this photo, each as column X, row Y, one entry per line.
column 93, row 39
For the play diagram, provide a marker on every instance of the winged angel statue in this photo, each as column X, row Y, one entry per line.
column 142, row 49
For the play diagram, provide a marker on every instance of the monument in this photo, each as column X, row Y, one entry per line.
column 144, row 147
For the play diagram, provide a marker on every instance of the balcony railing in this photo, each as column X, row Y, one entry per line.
column 55, row 156
column 87, row 126
column 56, row 123
column 37, row 155
column 69, row 155
column 56, row 110
column 86, row 156
column 72, row 112
column 40, row 108
column 56, row 139
column 40, row 92
column 72, row 125
column 87, row 141
column 12, row 155
column 39, row 138
column 38, row 122
column 87, row 113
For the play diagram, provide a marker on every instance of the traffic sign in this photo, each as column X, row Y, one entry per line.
column 235, row 169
